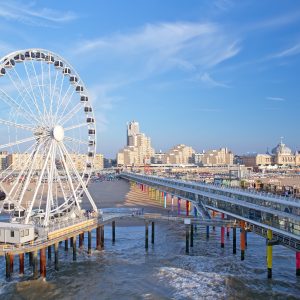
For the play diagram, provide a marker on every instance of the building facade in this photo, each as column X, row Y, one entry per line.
column 138, row 150
column 220, row 157
column 19, row 161
column 180, row 154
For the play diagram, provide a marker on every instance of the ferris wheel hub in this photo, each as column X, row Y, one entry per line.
column 58, row 133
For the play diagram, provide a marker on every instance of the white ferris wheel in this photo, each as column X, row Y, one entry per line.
column 47, row 138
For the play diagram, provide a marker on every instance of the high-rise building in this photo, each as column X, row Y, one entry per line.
column 133, row 129
column 138, row 150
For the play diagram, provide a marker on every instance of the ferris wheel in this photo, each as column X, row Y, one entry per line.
column 47, row 138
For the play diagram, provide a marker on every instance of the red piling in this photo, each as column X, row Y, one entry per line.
column 222, row 234
column 187, row 206
column 21, row 263
column 298, row 263
column 242, row 240
column 43, row 262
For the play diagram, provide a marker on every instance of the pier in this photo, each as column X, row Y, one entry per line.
column 273, row 217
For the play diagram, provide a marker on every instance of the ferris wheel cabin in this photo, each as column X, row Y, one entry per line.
column 29, row 55
column 19, row 58
column 9, row 63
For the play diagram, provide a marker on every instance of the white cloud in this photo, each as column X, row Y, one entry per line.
column 288, row 52
column 33, row 13
column 208, row 81
column 275, row 98
column 164, row 46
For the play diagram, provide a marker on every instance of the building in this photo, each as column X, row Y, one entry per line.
column 252, row 160
column 3, row 160
column 138, row 150
column 133, row 129
column 18, row 161
column 220, row 157
column 281, row 155
column 98, row 162
column 80, row 161
column 159, row 158
column 198, row 158
column 180, row 154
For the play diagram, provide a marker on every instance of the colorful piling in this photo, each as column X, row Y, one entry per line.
column 269, row 253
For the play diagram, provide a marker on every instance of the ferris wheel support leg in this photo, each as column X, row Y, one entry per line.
column 38, row 186
column 50, row 184
column 68, row 175
column 28, row 177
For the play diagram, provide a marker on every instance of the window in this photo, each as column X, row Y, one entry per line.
column 12, row 233
column 22, row 233
column 26, row 232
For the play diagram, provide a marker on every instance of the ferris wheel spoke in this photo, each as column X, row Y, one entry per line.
column 52, row 94
column 68, row 174
column 75, row 126
column 13, row 124
column 34, row 154
column 42, row 194
column 38, row 184
column 14, row 168
column 63, row 148
column 66, row 105
column 58, row 98
column 34, row 97
column 61, row 185
column 16, row 183
column 15, row 106
column 28, row 176
column 21, row 84
column 43, row 89
column 39, row 87
column 70, row 114
column 17, row 142
column 75, row 140
column 23, row 171
column 62, row 102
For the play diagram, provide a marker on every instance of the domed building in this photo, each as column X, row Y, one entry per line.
column 281, row 155
column 281, row 148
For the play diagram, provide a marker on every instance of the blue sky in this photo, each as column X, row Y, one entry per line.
column 203, row 73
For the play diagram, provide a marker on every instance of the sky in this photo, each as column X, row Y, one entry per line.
column 204, row 73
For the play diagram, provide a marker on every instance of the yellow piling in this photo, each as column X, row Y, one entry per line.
column 269, row 253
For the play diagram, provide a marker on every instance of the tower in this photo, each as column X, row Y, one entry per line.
column 133, row 129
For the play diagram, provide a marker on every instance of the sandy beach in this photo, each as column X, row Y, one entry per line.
column 115, row 194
